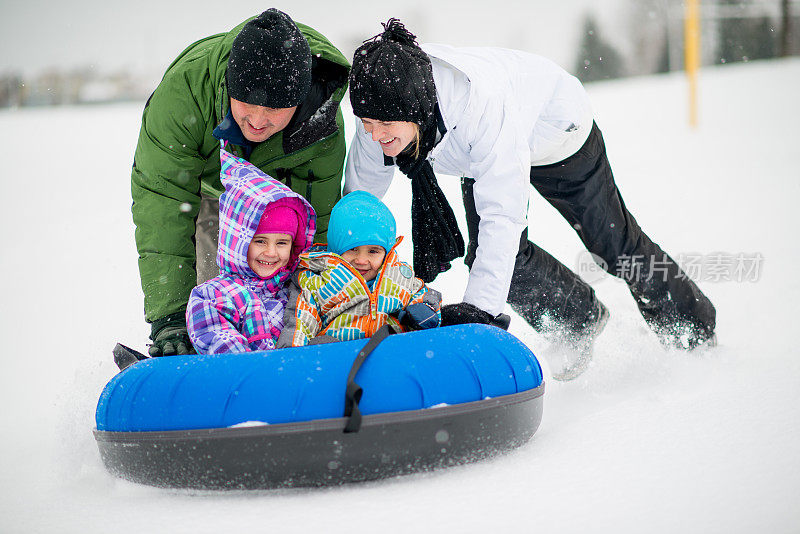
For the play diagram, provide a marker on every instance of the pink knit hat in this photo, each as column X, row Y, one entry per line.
column 279, row 218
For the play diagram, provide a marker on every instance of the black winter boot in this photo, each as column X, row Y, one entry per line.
column 570, row 359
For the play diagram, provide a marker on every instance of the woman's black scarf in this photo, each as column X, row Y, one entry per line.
column 434, row 231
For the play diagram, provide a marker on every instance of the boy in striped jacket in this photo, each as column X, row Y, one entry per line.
column 264, row 226
column 358, row 283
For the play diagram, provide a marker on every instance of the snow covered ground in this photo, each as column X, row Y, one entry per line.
column 645, row 441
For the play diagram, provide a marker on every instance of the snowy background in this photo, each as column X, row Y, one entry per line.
column 147, row 35
column 645, row 440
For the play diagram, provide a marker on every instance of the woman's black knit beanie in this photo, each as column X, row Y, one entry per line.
column 270, row 62
column 392, row 78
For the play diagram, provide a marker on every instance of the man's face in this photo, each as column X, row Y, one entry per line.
column 259, row 123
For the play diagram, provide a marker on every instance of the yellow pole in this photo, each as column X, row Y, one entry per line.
column 691, row 32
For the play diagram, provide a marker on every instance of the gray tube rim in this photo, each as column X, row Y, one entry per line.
column 322, row 425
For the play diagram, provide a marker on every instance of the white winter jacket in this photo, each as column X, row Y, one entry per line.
column 505, row 111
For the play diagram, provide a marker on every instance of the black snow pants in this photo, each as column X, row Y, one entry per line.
column 554, row 300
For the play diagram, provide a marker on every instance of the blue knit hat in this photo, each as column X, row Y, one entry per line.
column 360, row 218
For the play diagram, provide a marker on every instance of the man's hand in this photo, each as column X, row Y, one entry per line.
column 418, row 316
column 170, row 337
column 464, row 312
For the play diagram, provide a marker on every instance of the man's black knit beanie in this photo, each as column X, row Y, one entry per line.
column 270, row 62
column 392, row 78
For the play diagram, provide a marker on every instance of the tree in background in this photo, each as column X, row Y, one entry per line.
column 748, row 37
column 790, row 30
column 731, row 30
column 786, row 27
column 10, row 90
column 597, row 59
column 648, row 25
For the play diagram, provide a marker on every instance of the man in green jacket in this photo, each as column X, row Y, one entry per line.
column 269, row 91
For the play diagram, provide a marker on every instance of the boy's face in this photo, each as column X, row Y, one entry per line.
column 268, row 253
column 367, row 259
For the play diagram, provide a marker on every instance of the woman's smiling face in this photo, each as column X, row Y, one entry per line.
column 392, row 136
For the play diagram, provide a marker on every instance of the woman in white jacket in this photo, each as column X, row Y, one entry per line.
column 502, row 119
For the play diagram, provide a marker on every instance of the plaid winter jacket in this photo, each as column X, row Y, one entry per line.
column 237, row 311
column 330, row 297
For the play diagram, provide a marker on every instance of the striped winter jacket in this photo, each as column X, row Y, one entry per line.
column 329, row 297
column 237, row 311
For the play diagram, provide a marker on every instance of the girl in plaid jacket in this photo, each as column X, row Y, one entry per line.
column 358, row 283
column 264, row 226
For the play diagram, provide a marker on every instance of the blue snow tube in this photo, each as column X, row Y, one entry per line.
column 426, row 378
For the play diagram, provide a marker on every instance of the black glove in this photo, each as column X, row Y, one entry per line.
column 418, row 316
column 463, row 312
column 170, row 337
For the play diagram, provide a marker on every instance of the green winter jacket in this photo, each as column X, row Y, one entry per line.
column 177, row 158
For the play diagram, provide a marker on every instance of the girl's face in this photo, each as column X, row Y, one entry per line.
column 392, row 136
column 367, row 259
column 268, row 253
